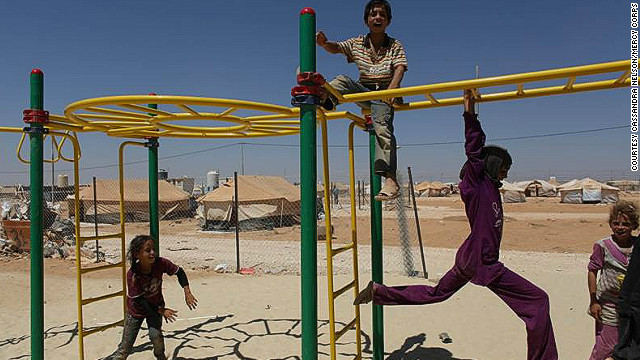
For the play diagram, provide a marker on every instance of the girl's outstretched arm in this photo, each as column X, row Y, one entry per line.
column 191, row 300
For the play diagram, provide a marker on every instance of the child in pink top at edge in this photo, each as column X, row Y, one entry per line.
column 606, row 270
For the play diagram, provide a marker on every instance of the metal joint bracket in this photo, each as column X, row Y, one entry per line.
column 368, row 125
column 35, row 130
column 34, row 116
column 152, row 142
column 307, row 95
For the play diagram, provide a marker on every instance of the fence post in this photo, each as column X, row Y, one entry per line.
column 415, row 212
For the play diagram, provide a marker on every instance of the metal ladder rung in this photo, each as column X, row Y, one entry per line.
column 343, row 289
column 337, row 251
column 102, row 328
column 103, row 297
column 103, row 267
column 345, row 329
column 100, row 237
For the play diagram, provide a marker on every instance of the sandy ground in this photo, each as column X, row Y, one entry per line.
column 257, row 317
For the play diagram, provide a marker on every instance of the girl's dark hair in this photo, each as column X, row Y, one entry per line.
column 627, row 208
column 372, row 3
column 134, row 247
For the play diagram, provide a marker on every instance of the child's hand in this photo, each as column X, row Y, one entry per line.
column 169, row 315
column 595, row 310
column 321, row 38
column 468, row 101
column 191, row 300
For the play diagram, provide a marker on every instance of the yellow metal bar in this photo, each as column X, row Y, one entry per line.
column 11, row 130
column 346, row 328
column 354, row 236
column 512, row 95
column 343, row 289
column 103, row 297
column 228, row 111
column 122, row 227
column 190, row 110
column 101, row 237
column 624, row 76
column 102, row 267
column 520, row 91
column 19, row 149
column 334, row 92
column 431, row 98
column 120, row 113
column 337, row 251
column 100, row 328
column 146, row 109
column 328, row 234
column 594, row 69
column 570, row 82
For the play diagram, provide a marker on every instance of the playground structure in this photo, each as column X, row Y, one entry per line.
column 132, row 117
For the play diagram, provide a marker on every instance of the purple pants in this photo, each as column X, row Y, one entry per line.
column 529, row 302
column 606, row 340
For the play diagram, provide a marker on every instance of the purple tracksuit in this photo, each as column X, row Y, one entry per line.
column 477, row 258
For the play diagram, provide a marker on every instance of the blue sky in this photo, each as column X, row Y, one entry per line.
column 249, row 50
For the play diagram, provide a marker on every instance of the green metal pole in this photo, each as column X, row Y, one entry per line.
column 154, row 222
column 308, row 191
column 376, row 249
column 36, row 179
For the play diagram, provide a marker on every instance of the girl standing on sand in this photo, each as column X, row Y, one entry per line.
column 607, row 267
column 144, row 296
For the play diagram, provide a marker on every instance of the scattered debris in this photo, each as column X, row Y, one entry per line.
column 445, row 338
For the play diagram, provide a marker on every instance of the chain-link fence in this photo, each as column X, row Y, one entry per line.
column 213, row 222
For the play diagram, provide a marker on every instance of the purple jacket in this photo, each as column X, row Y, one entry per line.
column 477, row 257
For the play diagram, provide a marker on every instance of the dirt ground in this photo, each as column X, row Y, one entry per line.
column 257, row 317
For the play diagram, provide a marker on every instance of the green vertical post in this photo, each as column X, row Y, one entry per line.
column 154, row 222
column 308, row 191
column 36, row 182
column 376, row 249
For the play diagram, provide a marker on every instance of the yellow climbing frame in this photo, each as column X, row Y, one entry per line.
column 129, row 117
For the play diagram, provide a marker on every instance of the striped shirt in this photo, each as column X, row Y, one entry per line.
column 376, row 68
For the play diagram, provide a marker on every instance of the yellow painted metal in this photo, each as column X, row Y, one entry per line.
column 328, row 235
column 514, row 79
column 354, row 236
column 122, row 227
column 103, row 267
column 102, row 297
column 101, row 237
column 104, row 327
column 331, row 252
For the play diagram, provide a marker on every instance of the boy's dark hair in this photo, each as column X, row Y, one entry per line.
column 134, row 247
column 372, row 3
column 627, row 208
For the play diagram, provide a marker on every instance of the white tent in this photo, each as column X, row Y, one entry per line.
column 537, row 188
column 587, row 191
column 512, row 193
column 432, row 189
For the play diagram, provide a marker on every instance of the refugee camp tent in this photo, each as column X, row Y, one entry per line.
column 172, row 202
column 263, row 202
column 537, row 188
column 432, row 189
column 587, row 191
column 625, row 185
column 512, row 193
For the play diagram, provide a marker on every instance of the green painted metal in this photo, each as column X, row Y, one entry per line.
column 308, row 189
column 154, row 222
column 36, row 182
column 376, row 250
